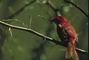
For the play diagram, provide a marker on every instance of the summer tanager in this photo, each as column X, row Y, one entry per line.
column 68, row 36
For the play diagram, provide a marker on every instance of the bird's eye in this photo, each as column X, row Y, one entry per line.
column 57, row 20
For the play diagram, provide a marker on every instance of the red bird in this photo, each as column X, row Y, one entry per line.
column 68, row 36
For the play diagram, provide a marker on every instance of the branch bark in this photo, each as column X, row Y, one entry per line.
column 41, row 35
column 20, row 10
column 68, row 1
column 53, row 7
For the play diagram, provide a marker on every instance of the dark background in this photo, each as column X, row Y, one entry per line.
column 21, row 45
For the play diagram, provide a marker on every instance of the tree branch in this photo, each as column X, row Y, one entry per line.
column 20, row 10
column 68, row 1
column 41, row 35
column 56, row 10
column 53, row 7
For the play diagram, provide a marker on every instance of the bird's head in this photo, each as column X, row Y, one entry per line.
column 59, row 20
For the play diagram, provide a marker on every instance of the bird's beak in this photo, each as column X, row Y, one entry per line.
column 51, row 21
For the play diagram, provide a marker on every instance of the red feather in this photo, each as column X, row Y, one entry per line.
column 67, row 34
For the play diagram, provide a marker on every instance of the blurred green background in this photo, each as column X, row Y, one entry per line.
column 21, row 45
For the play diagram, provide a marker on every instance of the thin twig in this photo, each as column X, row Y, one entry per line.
column 53, row 7
column 20, row 10
column 77, row 7
column 41, row 35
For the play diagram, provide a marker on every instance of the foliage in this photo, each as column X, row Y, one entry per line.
column 20, row 45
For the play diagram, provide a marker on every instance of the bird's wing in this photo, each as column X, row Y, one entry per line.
column 71, row 32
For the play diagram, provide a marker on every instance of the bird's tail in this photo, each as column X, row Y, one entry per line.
column 71, row 52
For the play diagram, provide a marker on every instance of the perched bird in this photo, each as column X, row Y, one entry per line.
column 68, row 36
